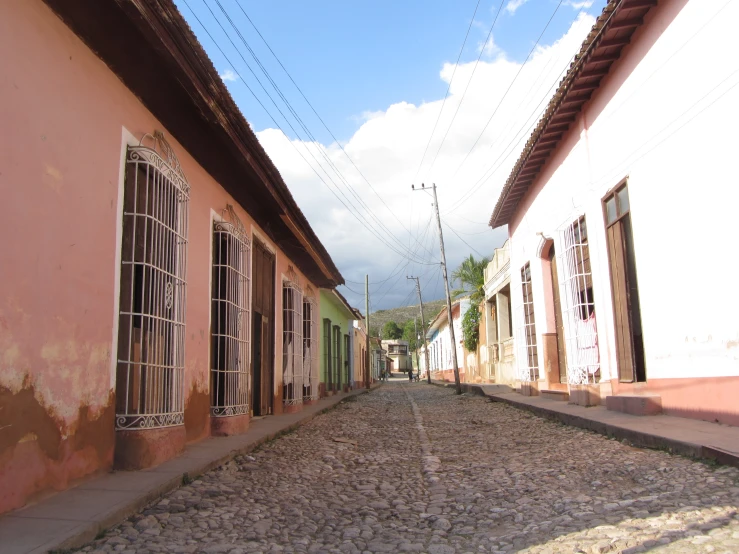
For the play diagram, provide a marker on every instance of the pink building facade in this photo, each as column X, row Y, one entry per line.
column 156, row 273
column 620, row 211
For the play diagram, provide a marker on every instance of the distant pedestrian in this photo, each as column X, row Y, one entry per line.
column 410, row 375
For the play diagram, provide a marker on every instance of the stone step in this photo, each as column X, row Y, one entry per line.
column 635, row 404
column 561, row 395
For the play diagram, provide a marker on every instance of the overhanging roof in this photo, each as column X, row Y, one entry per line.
column 355, row 312
column 603, row 46
column 151, row 48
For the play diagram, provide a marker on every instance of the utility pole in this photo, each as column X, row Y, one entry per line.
column 423, row 330
column 367, row 357
column 415, row 330
column 446, row 286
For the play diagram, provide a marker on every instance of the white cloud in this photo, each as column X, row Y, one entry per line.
column 387, row 148
column 513, row 5
column 489, row 49
column 579, row 4
column 229, row 75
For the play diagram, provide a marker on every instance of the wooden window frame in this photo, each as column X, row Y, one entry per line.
column 620, row 216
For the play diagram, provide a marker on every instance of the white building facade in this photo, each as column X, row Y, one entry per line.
column 440, row 344
column 497, row 345
column 620, row 210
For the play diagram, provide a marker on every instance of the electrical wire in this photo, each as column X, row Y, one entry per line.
column 460, row 238
column 355, row 215
column 336, row 141
column 449, row 88
column 492, row 169
column 295, row 115
column 515, row 78
column 490, row 32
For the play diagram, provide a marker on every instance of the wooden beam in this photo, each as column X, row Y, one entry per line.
column 597, row 72
column 529, row 172
column 592, row 85
column 618, row 41
column 562, row 112
column 610, row 57
column 633, row 4
column 538, row 156
column 551, row 129
column 626, row 23
column 577, row 99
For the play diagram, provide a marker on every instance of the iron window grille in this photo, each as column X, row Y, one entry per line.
column 311, row 374
column 528, row 356
column 292, row 344
column 231, row 318
column 578, row 308
column 151, row 328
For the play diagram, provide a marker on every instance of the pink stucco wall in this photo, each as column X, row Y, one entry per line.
column 62, row 115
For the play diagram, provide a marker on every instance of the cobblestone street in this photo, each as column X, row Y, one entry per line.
column 418, row 469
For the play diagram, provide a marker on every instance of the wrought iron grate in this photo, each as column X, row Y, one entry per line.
column 292, row 343
column 151, row 331
column 231, row 318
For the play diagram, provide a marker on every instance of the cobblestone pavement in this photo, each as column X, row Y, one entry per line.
column 433, row 472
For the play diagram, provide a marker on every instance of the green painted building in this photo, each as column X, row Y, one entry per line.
column 336, row 326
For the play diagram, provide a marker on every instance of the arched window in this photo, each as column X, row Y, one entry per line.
column 151, row 323
column 230, row 318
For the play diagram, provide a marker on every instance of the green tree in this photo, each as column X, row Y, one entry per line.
column 470, row 276
column 471, row 328
column 470, row 279
column 409, row 334
column 391, row 331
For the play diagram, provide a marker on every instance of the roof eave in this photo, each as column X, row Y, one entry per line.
column 611, row 33
column 151, row 48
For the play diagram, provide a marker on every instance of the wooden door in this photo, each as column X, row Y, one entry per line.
column 349, row 376
column 558, row 324
column 266, row 369
column 337, row 358
column 256, row 365
column 263, row 340
column 328, row 355
column 624, row 288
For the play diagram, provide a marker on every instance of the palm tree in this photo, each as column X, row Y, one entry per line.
column 470, row 275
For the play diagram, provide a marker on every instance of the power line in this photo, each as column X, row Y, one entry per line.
column 487, row 174
column 533, row 118
column 365, row 222
column 447, row 90
column 515, row 78
column 300, row 121
column 336, row 141
column 464, row 241
column 490, row 32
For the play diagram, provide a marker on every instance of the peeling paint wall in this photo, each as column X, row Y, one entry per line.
column 62, row 115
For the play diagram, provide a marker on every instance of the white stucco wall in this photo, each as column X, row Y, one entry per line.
column 441, row 340
column 666, row 117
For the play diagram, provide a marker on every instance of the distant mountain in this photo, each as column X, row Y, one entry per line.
column 403, row 314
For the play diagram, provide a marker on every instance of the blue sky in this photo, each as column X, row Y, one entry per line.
column 353, row 57
column 377, row 73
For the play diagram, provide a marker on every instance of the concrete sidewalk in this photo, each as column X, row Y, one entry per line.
column 74, row 517
column 687, row 437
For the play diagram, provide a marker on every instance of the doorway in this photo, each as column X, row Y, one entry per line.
column 263, row 340
column 624, row 287
column 558, row 324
